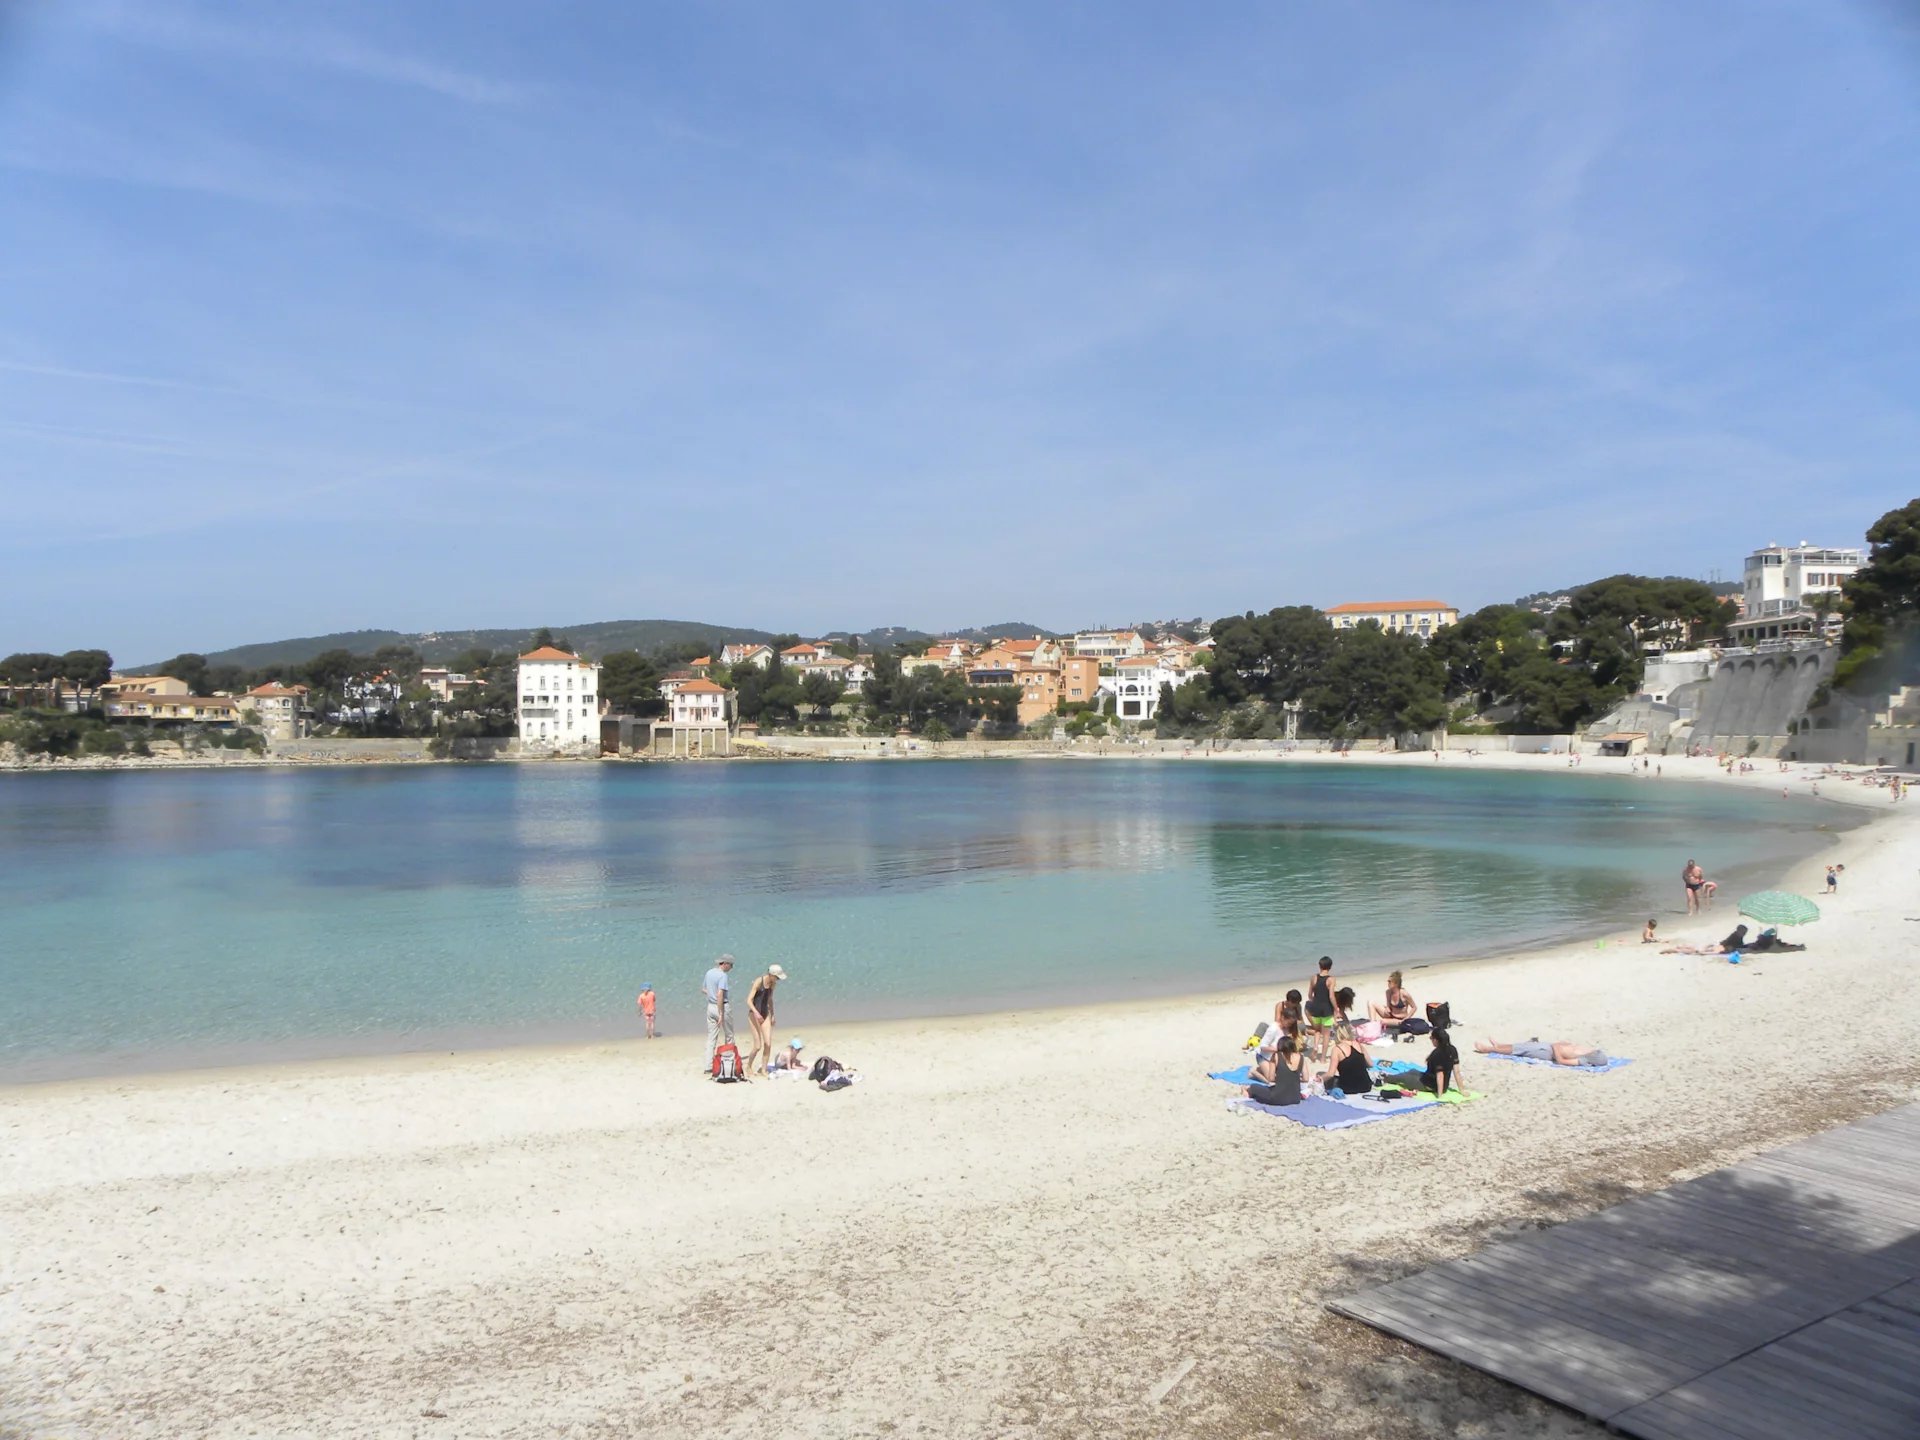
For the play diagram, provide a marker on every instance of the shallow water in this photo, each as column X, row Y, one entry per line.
column 154, row 919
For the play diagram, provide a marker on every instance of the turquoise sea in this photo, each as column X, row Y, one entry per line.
column 155, row 919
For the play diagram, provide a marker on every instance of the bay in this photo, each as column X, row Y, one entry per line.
column 153, row 919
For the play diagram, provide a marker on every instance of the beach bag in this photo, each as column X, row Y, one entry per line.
column 726, row 1064
column 822, row 1068
column 1439, row 1015
column 1414, row 1025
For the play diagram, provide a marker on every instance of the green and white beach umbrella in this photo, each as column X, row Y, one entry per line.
column 1778, row 907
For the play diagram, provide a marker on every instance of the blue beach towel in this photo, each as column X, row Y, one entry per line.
column 1239, row 1075
column 1324, row 1113
column 1613, row 1063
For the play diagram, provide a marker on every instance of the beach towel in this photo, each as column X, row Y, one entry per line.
column 1239, row 1075
column 1613, row 1063
column 1405, row 1072
column 1319, row 1112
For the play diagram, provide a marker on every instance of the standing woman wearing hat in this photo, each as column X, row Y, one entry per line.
column 760, row 1016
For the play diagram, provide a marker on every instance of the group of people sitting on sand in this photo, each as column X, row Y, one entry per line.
column 1315, row 1043
column 1315, row 1046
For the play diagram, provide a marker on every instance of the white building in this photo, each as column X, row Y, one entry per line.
column 1135, row 685
column 746, row 654
column 1777, row 583
column 699, row 721
column 559, row 700
column 1424, row 618
column 1109, row 644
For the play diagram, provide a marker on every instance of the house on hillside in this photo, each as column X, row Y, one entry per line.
column 191, row 709
column 1109, row 644
column 746, row 653
column 280, row 710
column 559, row 701
column 1425, row 618
column 1135, row 685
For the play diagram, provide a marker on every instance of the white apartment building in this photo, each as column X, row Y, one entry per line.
column 1135, row 685
column 559, row 700
column 1109, row 644
column 1424, row 618
column 1777, row 581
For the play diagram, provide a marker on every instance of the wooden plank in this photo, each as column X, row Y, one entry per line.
column 1530, row 1329
column 1712, row 1310
column 1595, row 1393
column 1594, row 1293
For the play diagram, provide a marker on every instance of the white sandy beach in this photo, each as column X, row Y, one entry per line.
column 1017, row 1225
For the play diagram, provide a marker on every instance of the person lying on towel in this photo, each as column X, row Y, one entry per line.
column 1558, row 1052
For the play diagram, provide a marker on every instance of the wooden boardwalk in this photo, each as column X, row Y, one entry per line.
column 1777, row 1298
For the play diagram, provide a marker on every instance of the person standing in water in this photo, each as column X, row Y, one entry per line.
column 1693, row 877
column 646, row 1004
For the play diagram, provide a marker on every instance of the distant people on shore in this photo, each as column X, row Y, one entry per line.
column 1693, row 877
column 1557, row 1052
column 646, row 1004
column 1647, row 937
column 1833, row 878
column 760, row 1016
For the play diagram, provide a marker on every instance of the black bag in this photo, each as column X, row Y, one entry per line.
column 822, row 1068
column 1439, row 1015
column 1413, row 1025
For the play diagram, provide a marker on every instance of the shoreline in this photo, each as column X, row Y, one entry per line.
column 570, row 1037
column 1017, row 1225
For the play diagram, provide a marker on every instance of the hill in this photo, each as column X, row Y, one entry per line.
column 438, row 646
column 595, row 639
column 1547, row 601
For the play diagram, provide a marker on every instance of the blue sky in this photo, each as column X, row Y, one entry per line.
column 820, row 316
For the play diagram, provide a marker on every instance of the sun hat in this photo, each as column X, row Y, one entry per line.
column 776, row 972
column 796, row 1044
column 724, row 960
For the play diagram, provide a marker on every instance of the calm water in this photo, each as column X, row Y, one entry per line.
column 162, row 919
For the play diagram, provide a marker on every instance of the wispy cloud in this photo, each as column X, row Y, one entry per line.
column 273, row 40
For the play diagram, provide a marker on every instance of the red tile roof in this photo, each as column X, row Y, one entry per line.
column 1377, row 607
column 548, row 652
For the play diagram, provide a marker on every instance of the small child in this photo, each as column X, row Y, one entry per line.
column 1647, row 937
column 646, row 1008
column 1833, row 879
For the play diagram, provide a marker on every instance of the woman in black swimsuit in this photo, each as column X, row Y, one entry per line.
column 1347, row 1065
column 760, row 1017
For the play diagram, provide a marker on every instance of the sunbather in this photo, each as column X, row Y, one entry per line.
column 1768, row 942
column 1347, row 1064
column 1399, row 1004
column 1443, row 1065
column 1276, row 1077
column 1559, row 1052
column 1737, row 940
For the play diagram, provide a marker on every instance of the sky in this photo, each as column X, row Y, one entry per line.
column 816, row 317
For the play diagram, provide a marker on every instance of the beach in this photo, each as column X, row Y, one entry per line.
column 1017, row 1225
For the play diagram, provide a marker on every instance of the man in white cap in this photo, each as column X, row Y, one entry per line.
column 719, row 1019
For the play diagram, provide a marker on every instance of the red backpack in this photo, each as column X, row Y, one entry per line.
column 726, row 1064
